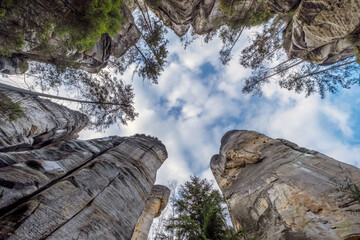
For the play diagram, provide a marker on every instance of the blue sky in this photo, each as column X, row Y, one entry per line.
column 197, row 100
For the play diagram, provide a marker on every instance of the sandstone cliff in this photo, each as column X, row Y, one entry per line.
column 75, row 189
column 317, row 31
column 43, row 122
column 30, row 31
column 277, row 190
column 55, row 187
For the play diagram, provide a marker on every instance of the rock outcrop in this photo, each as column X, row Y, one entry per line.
column 53, row 186
column 319, row 30
column 76, row 189
column 277, row 190
column 155, row 203
column 43, row 122
column 204, row 16
column 29, row 32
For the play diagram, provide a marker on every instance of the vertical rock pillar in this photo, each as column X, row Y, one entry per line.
column 278, row 190
column 156, row 202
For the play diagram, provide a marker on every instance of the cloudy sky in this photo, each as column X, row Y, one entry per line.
column 198, row 100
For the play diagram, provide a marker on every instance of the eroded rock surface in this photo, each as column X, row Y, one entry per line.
column 204, row 16
column 320, row 29
column 75, row 189
column 277, row 190
column 43, row 122
column 155, row 203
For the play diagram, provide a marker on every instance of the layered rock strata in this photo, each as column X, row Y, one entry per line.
column 155, row 203
column 43, row 122
column 74, row 189
column 53, row 186
column 277, row 190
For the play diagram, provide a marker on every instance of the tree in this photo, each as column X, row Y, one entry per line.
column 103, row 97
column 150, row 54
column 199, row 213
column 306, row 77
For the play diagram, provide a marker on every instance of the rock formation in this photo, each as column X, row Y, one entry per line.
column 277, row 190
column 204, row 16
column 28, row 33
column 155, row 203
column 43, row 122
column 317, row 31
column 72, row 189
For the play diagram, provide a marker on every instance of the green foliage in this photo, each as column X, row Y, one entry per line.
column 97, row 17
column 260, row 16
column 200, row 213
column 5, row 6
column 16, row 44
column 353, row 190
column 9, row 109
column 226, row 6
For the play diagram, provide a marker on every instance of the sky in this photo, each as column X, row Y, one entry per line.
column 198, row 100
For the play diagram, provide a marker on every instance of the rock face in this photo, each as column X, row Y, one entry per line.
column 78, row 189
column 28, row 33
column 43, row 122
column 319, row 30
column 277, row 190
column 155, row 203
column 55, row 187
column 204, row 16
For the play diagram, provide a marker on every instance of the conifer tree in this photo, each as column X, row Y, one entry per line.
column 200, row 214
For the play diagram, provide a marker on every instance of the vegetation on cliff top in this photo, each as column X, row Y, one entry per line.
column 9, row 109
column 96, row 17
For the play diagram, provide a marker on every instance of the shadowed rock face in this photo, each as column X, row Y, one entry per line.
column 43, row 122
column 155, row 203
column 277, row 190
column 204, row 16
column 32, row 24
column 74, row 189
column 318, row 30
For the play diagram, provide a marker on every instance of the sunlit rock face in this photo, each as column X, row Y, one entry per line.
column 320, row 29
column 74, row 189
column 155, row 203
column 43, row 122
column 277, row 190
column 53, row 186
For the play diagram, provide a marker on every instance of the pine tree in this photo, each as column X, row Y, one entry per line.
column 200, row 214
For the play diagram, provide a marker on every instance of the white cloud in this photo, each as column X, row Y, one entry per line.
column 208, row 108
